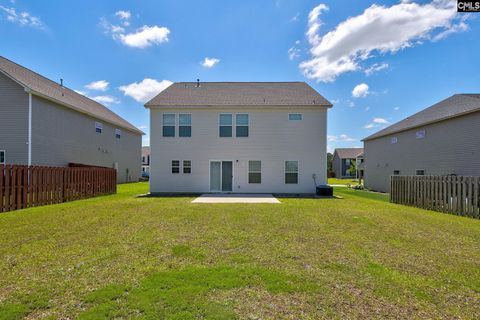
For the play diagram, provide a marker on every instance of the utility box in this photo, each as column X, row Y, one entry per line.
column 325, row 191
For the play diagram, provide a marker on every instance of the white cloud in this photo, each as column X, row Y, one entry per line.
column 379, row 29
column 143, row 37
column 360, row 90
column 209, row 62
column 123, row 14
column 343, row 137
column 101, row 85
column 145, row 90
column 23, row 18
column 380, row 121
column 351, row 104
column 376, row 122
column 83, row 93
column 107, row 100
column 295, row 17
column 396, row 108
column 375, row 68
column 367, row 108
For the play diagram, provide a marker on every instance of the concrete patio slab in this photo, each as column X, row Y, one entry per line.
column 236, row 198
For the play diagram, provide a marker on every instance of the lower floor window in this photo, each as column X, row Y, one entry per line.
column 187, row 166
column 420, row 172
column 291, row 172
column 254, row 172
column 175, row 166
column 396, row 172
column 2, row 156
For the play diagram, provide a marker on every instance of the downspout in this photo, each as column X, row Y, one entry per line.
column 29, row 129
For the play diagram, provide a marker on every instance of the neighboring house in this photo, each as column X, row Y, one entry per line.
column 146, row 160
column 443, row 139
column 249, row 137
column 44, row 123
column 360, row 165
column 343, row 159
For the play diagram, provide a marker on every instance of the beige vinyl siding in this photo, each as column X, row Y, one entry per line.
column 13, row 121
column 449, row 147
column 272, row 139
column 61, row 136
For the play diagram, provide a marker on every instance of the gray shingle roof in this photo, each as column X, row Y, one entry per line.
column 42, row 86
column 454, row 106
column 348, row 153
column 238, row 94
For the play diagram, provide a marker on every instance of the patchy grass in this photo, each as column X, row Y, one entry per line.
column 124, row 256
column 342, row 181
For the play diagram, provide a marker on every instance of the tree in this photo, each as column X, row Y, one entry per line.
column 329, row 163
column 352, row 170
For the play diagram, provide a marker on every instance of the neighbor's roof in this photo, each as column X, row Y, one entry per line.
column 41, row 86
column 454, row 106
column 238, row 94
column 349, row 153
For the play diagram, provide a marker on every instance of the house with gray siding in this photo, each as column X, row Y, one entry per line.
column 45, row 123
column 238, row 137
column 443, row 139
column 342, row 160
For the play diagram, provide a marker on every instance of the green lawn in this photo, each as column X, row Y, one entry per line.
column 125, row 256
column 342, row 181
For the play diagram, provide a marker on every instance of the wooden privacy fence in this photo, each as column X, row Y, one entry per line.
column 24, row 187
column 452, row 194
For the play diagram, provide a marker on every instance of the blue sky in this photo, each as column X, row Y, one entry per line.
column 401, row 56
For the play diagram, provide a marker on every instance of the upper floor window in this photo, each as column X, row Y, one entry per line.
column 241, row 125
column 291, row 172
column 226, row 124
column 295, row 116
column 185, row 125
column 168, row 125
column 420, row 172
column 2, row 157
column 393, row 140
column 118, row 133
column 254, row 171
column 98, row 127
column 396, row 172
column 420, row 134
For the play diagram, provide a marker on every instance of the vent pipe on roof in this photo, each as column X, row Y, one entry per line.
column 61, row 82
column 198, row 83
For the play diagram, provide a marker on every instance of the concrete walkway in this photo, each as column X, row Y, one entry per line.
column 236, row 198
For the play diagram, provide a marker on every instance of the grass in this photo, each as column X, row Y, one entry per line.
column 125, row 256
column 342, row 181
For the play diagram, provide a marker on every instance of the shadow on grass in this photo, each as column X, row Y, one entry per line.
column 184, row 294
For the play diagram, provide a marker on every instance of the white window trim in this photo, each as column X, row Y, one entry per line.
column 4, row 156
column 172, row 166
column 248, row 125
column 248, row 172
column 174, row 124
column 301, row 116
column 98, row 125
column 285, row 172
column 183, row 167
column 179, row 125
column 232, row 125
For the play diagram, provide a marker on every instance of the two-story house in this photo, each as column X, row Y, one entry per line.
column 244, row 137
column 146, row 160
column 44, row 123
column 344, row 159
column 442, row 139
